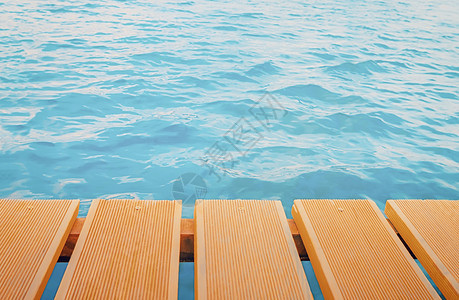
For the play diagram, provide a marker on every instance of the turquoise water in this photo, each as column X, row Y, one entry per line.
column 117, row 99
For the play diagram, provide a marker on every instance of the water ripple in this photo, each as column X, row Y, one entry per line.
column 117, row 99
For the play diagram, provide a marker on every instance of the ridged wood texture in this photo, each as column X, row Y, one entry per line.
column 127, row 249
column 431, row 230
column 356, row 254
column 32, row 235
column 244, row 250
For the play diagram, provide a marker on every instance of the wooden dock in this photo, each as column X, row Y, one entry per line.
column 242, row 249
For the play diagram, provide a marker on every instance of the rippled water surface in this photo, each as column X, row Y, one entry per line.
column 114, row 99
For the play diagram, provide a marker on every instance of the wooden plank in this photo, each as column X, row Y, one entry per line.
column 72, row 238
column 127, row 249
column 187, row 240
column 356, row 254
column 431, row 229
column 33, row 233
column 244, row 250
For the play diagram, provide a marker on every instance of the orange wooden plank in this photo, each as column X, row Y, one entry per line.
column 127, row 249
column 186, row 240
column 72, row 238
column 431, row 230
column 244, row 250
column 356, row 254
column 32, row 235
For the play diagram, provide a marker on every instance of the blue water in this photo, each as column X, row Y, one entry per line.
column 117, row 99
